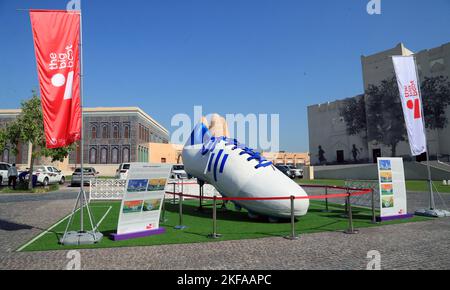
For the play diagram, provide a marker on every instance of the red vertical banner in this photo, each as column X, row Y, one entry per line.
column 56, row 41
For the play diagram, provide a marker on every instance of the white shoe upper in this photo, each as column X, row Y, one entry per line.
column 237, row 171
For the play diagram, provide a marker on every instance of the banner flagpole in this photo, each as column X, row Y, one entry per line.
column 82, row 123
column 432, row 211
column 81, row 237
column 430, row 181
column 409, row 85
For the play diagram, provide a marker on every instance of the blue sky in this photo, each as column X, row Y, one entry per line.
column 230, row 56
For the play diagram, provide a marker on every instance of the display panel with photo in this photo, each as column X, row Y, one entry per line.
column 137, row 185
column 387, row 201
column 132, row 206
column 387, row 189
column 156, row 184
column 385, row 164
column 151, row 204
column 386, row 176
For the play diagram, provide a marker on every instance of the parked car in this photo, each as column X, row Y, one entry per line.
column 286, row 170
column 44, row 175
column 23, row 177
column 178, row 172
column 4, row 172
column 89, row 173
column 296, row 172
column 122, row 171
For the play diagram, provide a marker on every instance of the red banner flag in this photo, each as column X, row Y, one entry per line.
column 56, row 42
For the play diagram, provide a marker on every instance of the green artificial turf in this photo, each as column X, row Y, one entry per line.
column 231, row 224
column 411, row 185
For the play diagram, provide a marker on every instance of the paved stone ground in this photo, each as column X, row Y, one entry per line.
column 424, row 245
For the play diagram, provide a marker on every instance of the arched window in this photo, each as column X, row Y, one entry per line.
column 94, row 132
column 5, row 156
column 126, row 131
column 105, row 131
column 126, row 155
column 115, row 155
column 104, row 155
column 93, row 156
column 116, row 131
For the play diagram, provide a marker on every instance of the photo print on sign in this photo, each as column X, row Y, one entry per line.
column 385, row 165
column 388, row 201
column 132, row 206
column 151, row 204
column 156, row 184
column 386, row 176
column 137, row 185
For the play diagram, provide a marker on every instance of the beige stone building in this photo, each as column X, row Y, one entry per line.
column 296, row 159
column 327, row 128
column 113, row 135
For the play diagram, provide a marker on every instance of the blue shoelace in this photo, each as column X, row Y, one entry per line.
column 211, row 145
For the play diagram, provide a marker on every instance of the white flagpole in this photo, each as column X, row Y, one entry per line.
column 430, row 182
column 82, row 122
column 81, row 237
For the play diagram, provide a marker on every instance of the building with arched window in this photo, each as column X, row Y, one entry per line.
column 118, row 135
column 112, row 136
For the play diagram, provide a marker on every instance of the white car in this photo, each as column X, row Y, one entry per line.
column 4, row 172
column 178, row 172
column 48, row 175
column 122, row 171
column 296, row 172
column 89, row 174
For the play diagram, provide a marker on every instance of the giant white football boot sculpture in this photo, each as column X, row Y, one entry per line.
column 237, row 171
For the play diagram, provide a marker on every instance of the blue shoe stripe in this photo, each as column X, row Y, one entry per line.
column 216, row 163
column 222, row 165
column 210, row 162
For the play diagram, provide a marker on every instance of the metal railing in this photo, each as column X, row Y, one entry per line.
column 347, row 195
column 106, row 189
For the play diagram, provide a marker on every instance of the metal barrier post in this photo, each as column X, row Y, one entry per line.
column 200, row 193
column 182, row 186
column 350, row 229
column 346, row 203
column 374, row 219
column 180, row 226
column 163, row 219
column 293, row 236
column 214, row 235
column 326, row 200
column 173, row 200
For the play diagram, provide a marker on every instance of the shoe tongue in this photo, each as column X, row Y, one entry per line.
column 199, row 135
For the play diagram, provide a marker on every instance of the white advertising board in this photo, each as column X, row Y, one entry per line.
column 143, row 197
column 392, row 188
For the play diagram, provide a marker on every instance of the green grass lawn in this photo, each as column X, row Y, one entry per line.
column 411, row 185
column 69, row 177
column 24, row 189
column 233, row 225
